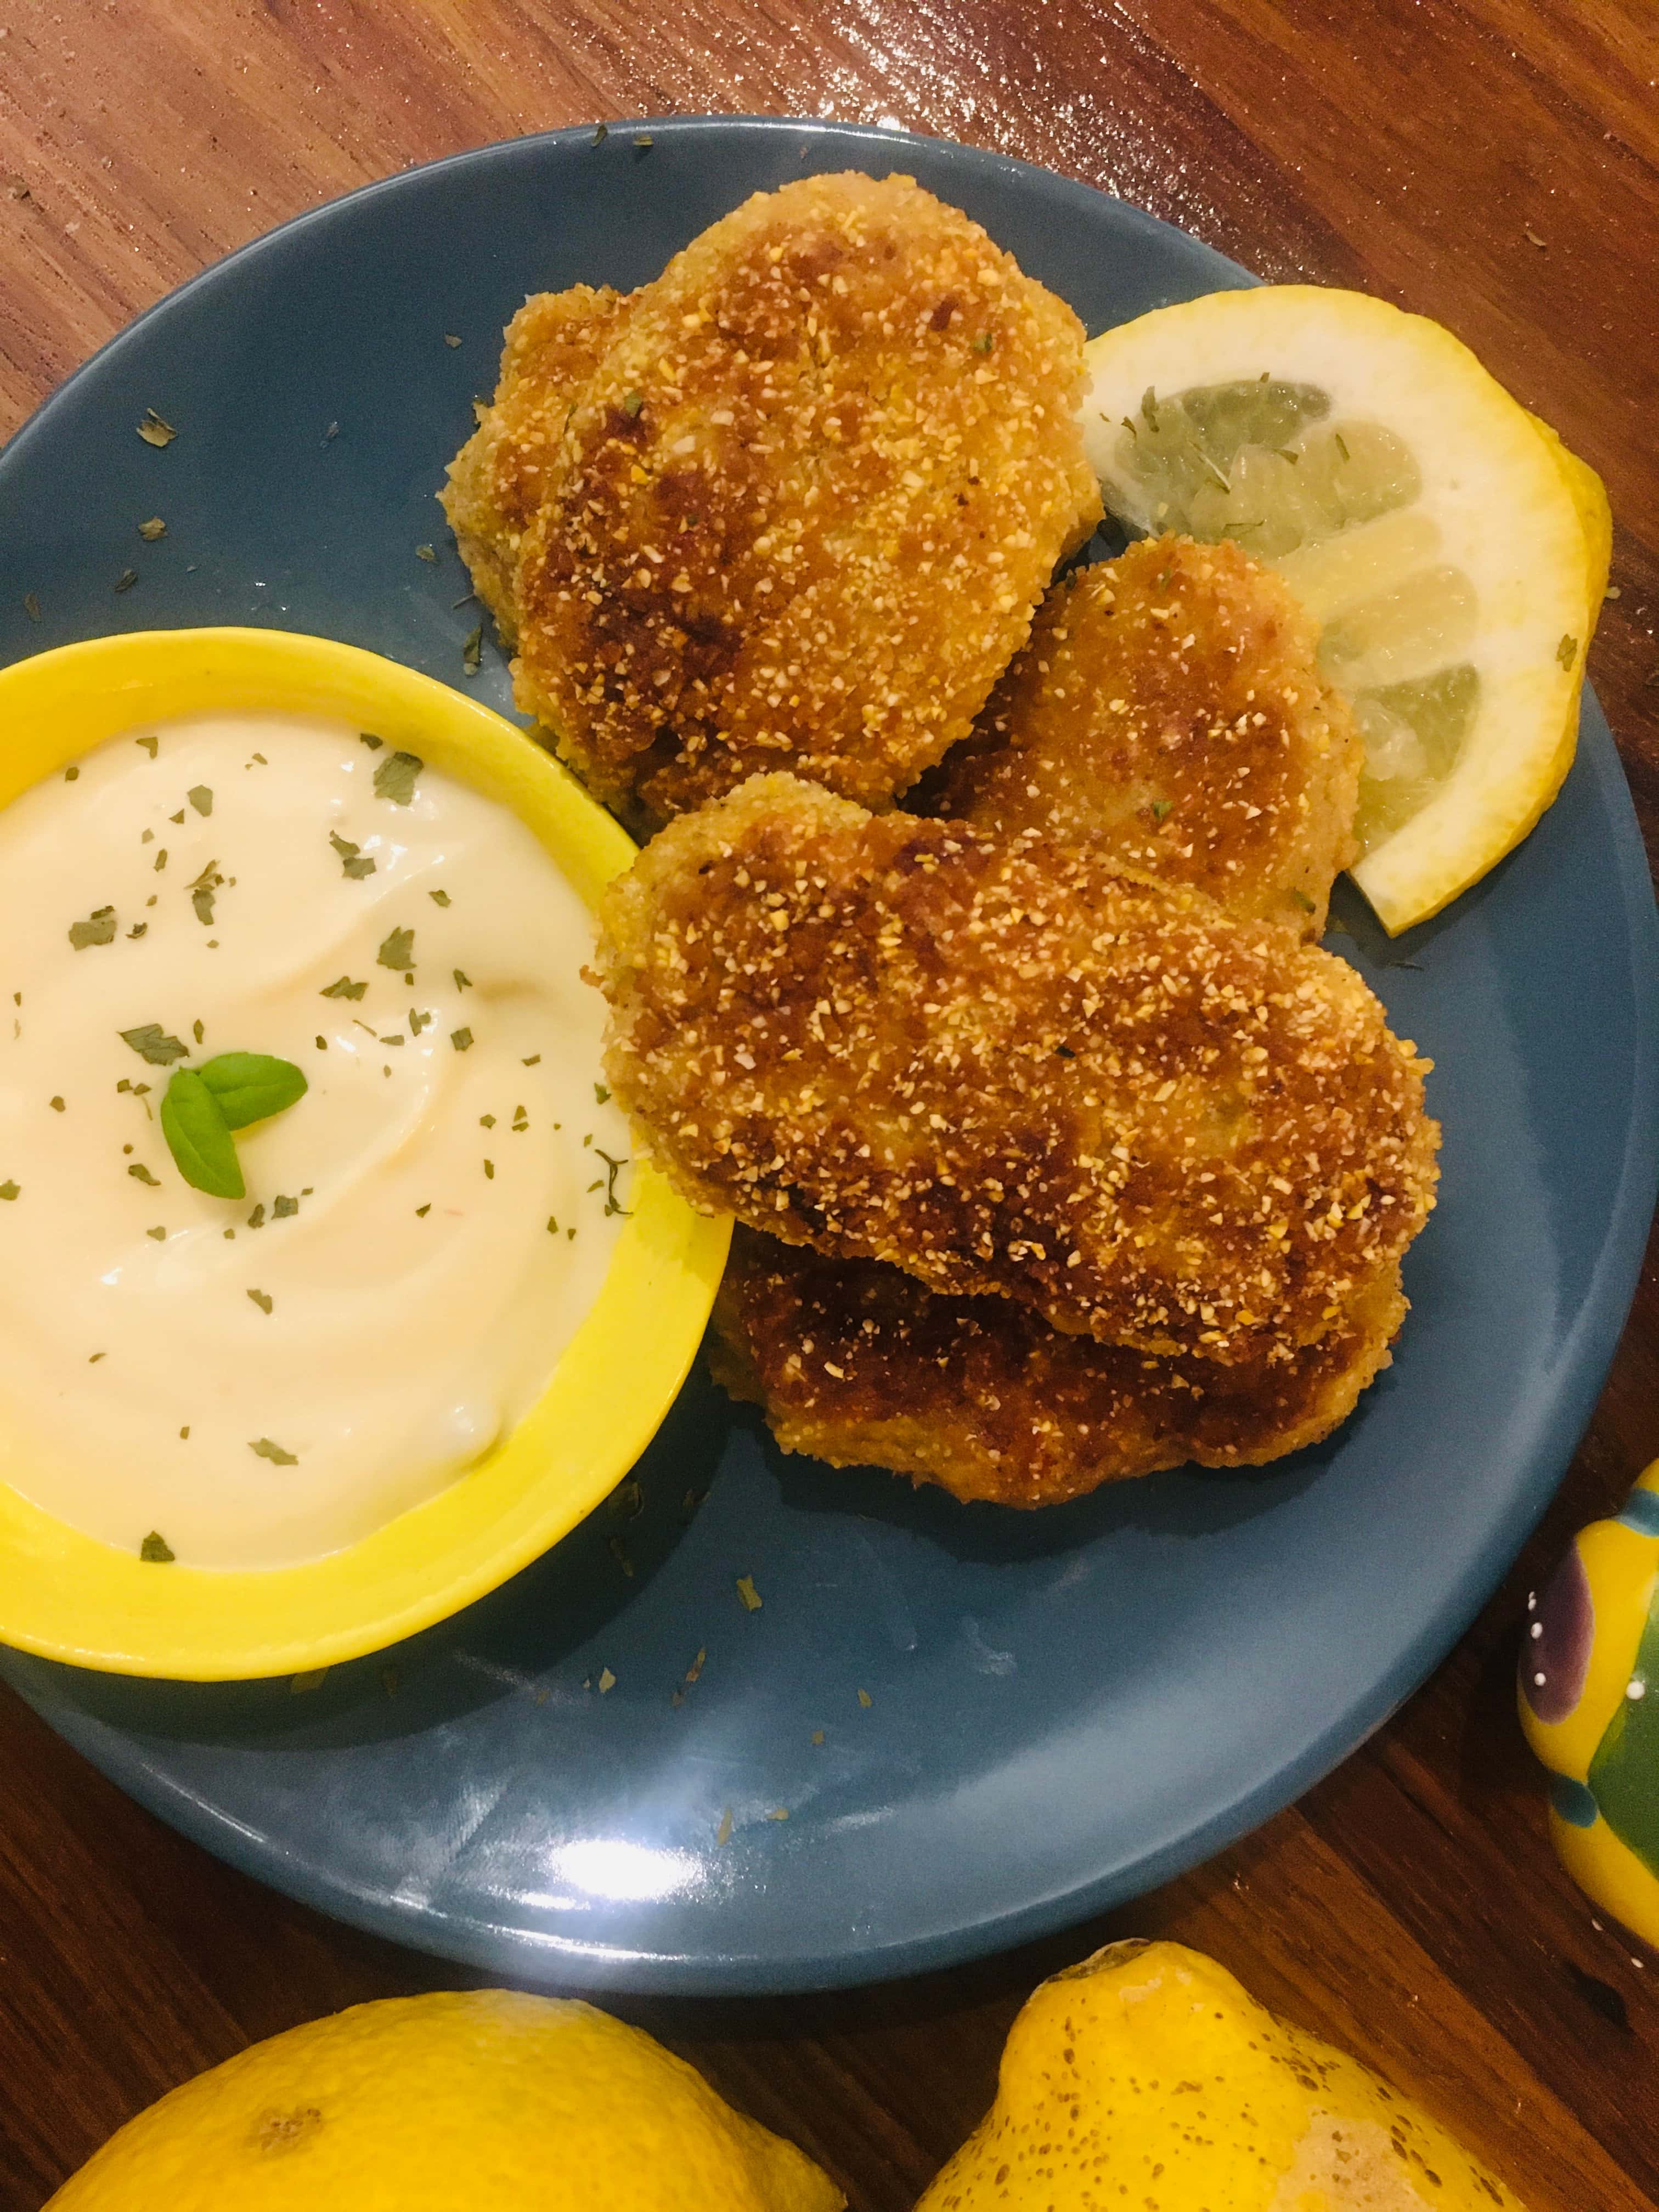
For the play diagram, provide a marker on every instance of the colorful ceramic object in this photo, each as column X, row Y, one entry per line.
column 1589, row 1704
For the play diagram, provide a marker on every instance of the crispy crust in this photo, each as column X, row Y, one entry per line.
column 1168, row 702
column 856, row 1365
column 1012, row 1069
column 553, row 345
column 804, row 509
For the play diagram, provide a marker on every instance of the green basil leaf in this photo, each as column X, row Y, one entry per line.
column 252, row 1086
column 198, row 1137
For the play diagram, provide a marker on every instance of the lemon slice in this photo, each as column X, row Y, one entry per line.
column 1451, row 548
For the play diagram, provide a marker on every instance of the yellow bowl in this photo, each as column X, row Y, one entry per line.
column 68, row 1596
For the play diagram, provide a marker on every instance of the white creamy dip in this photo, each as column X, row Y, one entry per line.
column 260, row 1381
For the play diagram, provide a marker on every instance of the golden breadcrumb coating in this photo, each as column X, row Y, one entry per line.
column 1169, row 703
column 1012, row 1069
column 553, row 345
column 857, row 1364
column 804, row 509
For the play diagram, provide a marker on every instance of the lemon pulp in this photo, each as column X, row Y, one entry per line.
column 1451, row 548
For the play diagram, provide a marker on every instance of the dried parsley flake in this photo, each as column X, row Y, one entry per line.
column 156, row 1551
column 262, row 1448
column 613, row 1170
column 398, row 949
column 395, row 777
column 99, row 930
column 353, row 861
column 152, row 1042
column 201, row 889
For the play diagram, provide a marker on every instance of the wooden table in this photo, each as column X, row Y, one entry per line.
column 1491, row 163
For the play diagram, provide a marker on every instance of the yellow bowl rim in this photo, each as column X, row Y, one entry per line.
column 68, row 1596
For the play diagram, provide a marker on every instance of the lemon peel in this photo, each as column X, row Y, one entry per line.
column 451, row 2103
column 1148, row 2076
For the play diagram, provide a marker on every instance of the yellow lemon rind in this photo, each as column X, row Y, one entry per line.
column 470, row 2100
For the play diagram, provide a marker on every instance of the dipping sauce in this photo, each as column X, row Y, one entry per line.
column 262, row 1381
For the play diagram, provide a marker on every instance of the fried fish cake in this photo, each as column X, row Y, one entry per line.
column 804, row 509
column 1169, row 705
column 1169, row 702
column 1012, row 1069
column 857, row 1364
column 553, row 345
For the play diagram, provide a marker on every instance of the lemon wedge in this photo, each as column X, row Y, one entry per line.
column 1453, row 550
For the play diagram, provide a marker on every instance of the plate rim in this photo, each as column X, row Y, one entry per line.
column 1587, row 1349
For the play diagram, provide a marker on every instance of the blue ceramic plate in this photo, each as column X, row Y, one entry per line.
column 980, row 1725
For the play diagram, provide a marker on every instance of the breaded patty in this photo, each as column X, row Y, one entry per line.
column 553, row 345
column 1012, row 1069
column 1169, row 703
column 803, row 510
column 856, row 1363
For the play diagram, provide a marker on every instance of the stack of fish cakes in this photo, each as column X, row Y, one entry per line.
column 1060, row 1152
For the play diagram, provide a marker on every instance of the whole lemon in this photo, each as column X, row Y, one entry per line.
column 488, row 2099
column 1148, row 2077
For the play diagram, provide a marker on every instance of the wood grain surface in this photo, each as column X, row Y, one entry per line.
column 1491, row 163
